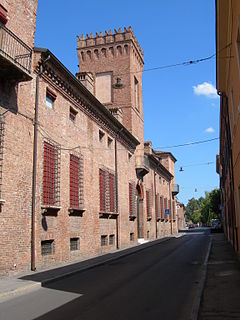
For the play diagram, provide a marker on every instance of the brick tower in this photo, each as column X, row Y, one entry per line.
column 111, row 66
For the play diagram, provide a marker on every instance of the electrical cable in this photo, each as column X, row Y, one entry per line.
column 188, row 144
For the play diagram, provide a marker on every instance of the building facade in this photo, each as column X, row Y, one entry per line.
column 77, row 179
column 228, row 84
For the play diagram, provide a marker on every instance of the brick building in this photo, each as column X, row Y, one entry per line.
column 77, row 179
column 228, row 84
column 17, row 31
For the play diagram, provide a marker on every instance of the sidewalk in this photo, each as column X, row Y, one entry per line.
column 13, row 286
column 221, row 294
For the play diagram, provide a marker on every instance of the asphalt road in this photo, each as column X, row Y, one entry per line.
column 159, row 282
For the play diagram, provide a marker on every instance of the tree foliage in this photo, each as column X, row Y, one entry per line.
column 203, row 209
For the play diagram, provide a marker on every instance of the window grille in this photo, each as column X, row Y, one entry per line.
column 47, row 247
column 102, row 189
column 173, row 210
column 76, row 181
column 74, row 244
column 111, row 239
column 132, row 199
column 2, row 126
column 169, row 207
column 162, row 207
column 51, row 175
column 107, row 191
column 165, row 207
column 103, row 240
column 148, row 204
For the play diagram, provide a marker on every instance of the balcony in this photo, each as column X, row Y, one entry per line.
column 175, row 189
column 15, row 57
column 142, row 166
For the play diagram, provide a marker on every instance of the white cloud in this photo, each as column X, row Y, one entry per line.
column 205, row 89
column 210, row 130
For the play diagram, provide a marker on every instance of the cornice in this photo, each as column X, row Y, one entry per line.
column 70, row 87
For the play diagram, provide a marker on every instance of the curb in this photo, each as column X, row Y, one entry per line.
column 97, row 264
column 119, row 254
column 18, row 291
column 197, row 300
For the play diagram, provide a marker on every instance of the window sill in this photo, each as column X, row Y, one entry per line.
column 132, row 217
column 76, row 211
column 50, row 210
column 108, row 215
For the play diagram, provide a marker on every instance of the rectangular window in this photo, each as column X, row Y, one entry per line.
column 111, row 180
column 74, row 244
column 109, row 141
column 50, row 98
column 148, row 204
column 111, row 239
column 51, row 188
column 47, row 247
column 72, row 114
column 103, row 240
column 132, row 199
column 157, row 206
column 76, row 182
column 101, row 135
column 162, row 207
column 132, row 236
column 102, row 189
column 136, row 93
column 107, row 191
column 169, row 207
column 165, row 207
column 173, row 210
column 3, row 15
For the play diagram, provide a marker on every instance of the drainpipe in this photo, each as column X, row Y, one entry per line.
column 34, row 174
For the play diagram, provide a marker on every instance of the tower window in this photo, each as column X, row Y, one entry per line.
column 136, row 93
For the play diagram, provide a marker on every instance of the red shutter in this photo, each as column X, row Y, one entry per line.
column 173, row 210
column 165, row 207
column 130, row 200
column 111, row 192
column 161, row 207
column 49, row 174
column 170, row 213
column 3, row 15
column 74, row 181
column 102, row 190
column 148, row 204
column 156, row 206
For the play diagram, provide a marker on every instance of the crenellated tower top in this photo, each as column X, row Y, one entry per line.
column 118, row 37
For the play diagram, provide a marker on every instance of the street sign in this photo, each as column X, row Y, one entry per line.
column 167, row 211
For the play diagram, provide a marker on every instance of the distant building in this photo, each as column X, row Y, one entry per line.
column 228, row 86
column 181, row 215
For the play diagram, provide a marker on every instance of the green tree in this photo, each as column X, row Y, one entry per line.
column 192, row 206
column 203, row 209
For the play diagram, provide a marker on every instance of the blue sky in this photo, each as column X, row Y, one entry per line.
column 180, row 104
